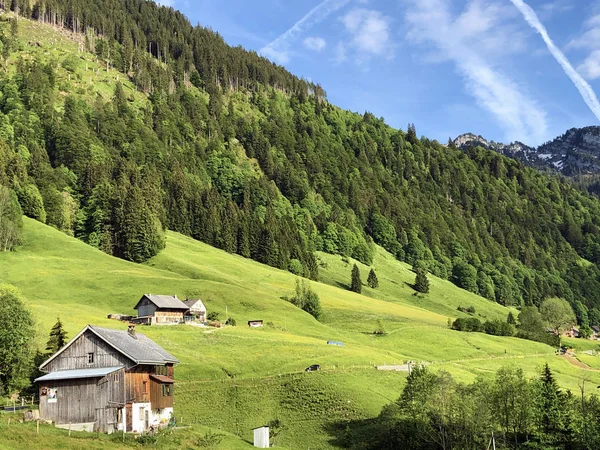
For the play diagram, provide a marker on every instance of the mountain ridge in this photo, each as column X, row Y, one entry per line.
column 574, row 153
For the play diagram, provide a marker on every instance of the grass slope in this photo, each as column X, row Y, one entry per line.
column 237, row 378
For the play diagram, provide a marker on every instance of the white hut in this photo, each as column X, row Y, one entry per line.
column 261, row 437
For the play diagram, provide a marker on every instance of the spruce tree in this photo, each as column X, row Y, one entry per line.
column 551, row 408
column 58, row 337
column 511, row 319
column 356, row 283
column 372, row 280
column 421, row 282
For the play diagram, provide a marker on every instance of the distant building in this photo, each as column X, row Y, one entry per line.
column 107, row 380
column 160, row 310
column 255, row 323
column 595, row 332
column 572, row 333
column 197, row 310
column 261, row 437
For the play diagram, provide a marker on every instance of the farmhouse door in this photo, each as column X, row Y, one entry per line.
column 146, row 419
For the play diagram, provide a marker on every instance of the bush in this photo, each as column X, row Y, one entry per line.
column 307, row 300
column 295, row 266
column 32, row 203
column 209, row 440
column 231, row 322
column 212, row 316
column 468, row 324
column 468, row 310
column 498, row 328
column 147, row 439
column 70, row 63
column 380, row 330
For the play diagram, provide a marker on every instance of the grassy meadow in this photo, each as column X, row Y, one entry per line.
column 235, row 378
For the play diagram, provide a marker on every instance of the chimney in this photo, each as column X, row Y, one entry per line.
column 131, row 330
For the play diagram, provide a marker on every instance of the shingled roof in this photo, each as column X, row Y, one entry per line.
column 164, row 301
column 135, row 346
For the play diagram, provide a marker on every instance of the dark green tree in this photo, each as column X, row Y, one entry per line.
column 355, row 281
column 511, row 319
column 421, row 282
column 58, row 337
column 551, row 412
column 372, row 280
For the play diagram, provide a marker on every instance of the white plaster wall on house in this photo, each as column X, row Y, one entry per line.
column 138, row 417
column 161, row 416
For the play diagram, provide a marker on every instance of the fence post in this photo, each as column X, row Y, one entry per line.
column 69, row 429
column 37, row 427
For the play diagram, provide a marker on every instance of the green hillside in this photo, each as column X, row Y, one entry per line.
column 111, row 140
column 109, row 144
column 256, row 375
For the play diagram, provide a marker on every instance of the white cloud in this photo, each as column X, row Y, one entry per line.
column 590, row 38
column 471, row 41
column 549, row 9
column 590, row 68
column 370, row 35
column 586, row 91
column 279, row 49
column 588, row 41
column 315, row 43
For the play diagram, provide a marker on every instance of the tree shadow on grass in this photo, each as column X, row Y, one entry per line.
column 343, row 286
column 351, row 433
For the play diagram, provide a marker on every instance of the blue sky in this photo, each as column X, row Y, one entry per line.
column 509, row 70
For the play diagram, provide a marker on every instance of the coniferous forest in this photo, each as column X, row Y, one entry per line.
column 235, row 151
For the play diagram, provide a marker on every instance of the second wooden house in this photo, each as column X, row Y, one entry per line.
column 160, row 310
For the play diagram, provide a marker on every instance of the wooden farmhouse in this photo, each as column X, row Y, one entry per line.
column 197, row 310
column 160, row 310
column 107, row 380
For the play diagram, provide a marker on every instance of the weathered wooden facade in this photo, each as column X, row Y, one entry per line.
column 160, row 310
column 107, row 380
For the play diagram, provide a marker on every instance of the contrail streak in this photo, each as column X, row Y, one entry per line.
column 582, row 86
column 314, row 16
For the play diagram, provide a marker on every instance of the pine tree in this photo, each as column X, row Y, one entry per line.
column 551, row 408
column 372, row 280
column 421, row 282
column 58, row 337
column 356, row 283
column 511, row 319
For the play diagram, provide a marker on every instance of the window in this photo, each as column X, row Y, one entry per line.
column 160, row 370
column 90, row 358
column 167, row 390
